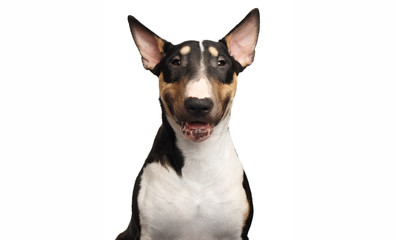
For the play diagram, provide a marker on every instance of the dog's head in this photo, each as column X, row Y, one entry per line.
column 198, row 80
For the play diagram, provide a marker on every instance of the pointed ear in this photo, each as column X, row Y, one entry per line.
column 241, row 41
column 151, row 47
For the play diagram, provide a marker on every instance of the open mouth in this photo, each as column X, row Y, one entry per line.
column 196, row 131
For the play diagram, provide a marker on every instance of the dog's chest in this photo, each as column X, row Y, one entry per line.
column 210, row 205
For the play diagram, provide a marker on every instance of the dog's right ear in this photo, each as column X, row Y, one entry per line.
column 151, row 47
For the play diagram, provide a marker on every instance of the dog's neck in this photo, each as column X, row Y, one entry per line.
column 203, row 158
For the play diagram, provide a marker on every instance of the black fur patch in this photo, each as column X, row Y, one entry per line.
column 224, row 73
column 164, row 148
column 249, row 219
column 188, row 65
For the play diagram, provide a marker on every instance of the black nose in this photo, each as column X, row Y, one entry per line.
column 198, row 107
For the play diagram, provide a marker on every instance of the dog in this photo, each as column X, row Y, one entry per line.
column 192, row 185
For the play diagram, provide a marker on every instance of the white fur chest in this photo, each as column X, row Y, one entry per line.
column 208, row 202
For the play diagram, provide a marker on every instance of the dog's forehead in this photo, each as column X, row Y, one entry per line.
column 198, row 47
column 184, row 49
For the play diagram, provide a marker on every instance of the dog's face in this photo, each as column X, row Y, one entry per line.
column 197, row 80
column 197, row 85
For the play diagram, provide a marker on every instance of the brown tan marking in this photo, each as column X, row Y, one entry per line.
column 224, row 93
column 174, row 93
column 246, row 214
column 160, row 45
column 213, row 51
column 185, row 50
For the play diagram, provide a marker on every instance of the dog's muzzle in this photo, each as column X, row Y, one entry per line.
column 195, row 127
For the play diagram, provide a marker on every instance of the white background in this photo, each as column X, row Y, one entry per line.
column 313, row 120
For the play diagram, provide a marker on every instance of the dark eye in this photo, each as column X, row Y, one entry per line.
column 221, row 62
column 176, row 61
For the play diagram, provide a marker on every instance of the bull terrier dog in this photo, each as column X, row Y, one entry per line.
column 192, row 185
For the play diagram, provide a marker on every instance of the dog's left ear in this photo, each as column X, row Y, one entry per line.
column 241, row 41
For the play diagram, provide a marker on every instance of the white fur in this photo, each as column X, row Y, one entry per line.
column 201, row 46
column 207, row 202
column 200, row 88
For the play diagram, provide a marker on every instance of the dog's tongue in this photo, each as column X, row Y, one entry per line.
column 196, row 131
